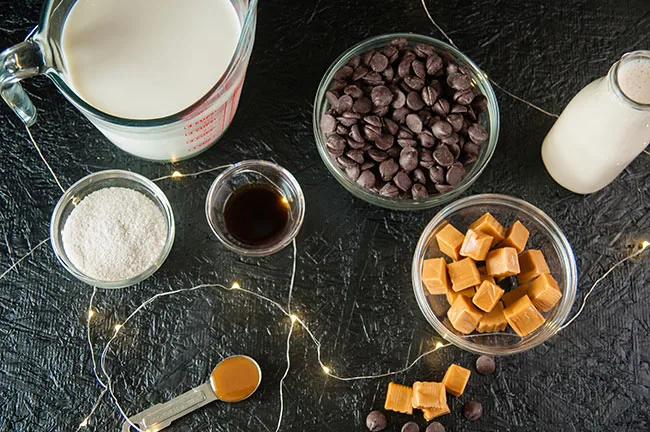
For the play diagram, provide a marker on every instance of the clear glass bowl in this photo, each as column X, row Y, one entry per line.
column 90, row 184
column 489, row 120
column 545, row 235
column 255, row 172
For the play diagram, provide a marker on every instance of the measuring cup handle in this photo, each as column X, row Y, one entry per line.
column 18, row 62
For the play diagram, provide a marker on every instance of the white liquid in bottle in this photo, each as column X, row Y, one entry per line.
column 604, row 127
column 145, row 59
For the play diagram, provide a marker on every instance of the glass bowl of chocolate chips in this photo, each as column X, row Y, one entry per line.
column 405, row 121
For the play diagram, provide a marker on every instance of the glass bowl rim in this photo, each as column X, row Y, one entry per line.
column 560, row 242
column 289, row 237
column 406, row 204
column 153, row 192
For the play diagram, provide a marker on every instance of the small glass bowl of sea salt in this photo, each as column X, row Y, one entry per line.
column 112, row 229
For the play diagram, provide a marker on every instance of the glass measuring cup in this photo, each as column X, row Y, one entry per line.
column 175, row 137
column 228, row 373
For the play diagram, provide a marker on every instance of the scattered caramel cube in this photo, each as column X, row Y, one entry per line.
column 523, row 316
column 544, row 292
column 430, row 414
column 502, row 262
column 456, row 379
column 434, row 275
column 399, row 398
column 484, row 276
column 449, row 241
column 430, row 395
column 452, row 295
column 487, row 295
column 516, row 237
column 531, row 265
column 463, row 315
column 512, row 296
column 476, row 245
column 490, row 226
column 463, row 274
column 493, row 321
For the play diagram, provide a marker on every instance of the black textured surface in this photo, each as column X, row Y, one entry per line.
column 353, row 283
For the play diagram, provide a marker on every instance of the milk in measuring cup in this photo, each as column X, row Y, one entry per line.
column 146, row 59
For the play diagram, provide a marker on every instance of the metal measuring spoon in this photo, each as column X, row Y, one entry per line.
column 223, row 375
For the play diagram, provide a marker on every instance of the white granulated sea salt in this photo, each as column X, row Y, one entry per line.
column 114, row 234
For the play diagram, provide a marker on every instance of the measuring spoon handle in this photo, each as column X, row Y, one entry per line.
column 162, row 415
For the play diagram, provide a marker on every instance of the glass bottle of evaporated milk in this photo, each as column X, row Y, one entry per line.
column 604, row 127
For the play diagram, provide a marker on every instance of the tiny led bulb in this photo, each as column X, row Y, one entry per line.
column 439, row 345
column 84, row 423
column 326, row 369
column 118, row 327
column 235, row 285
column 293, row 318
column 644, row 244
column 176, row 174
column 91, row 313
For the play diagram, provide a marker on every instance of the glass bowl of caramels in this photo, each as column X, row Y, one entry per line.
column 494, row 275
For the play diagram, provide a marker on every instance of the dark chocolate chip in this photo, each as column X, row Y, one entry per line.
column 467, row 157
column 387, row 169
column 351, row 115
column 464, row 97
column 408, row 159
column 337, row 85
column 485, row 365
column 344, row 73
column 410, row 427
column 459, row 81
column 366, row 179
column 400, row 99
column 423, row 50
column 443, row 156
column 378, row 62
column 347, row 122
column 400, row 43
column 333, row 99
column 353, row 172
column 455, row 150
column 391, row 53
column 443, row 188
column 477, row 133
column 355, row 155
column 385, row 141
column 433, row 64
column 441, row 129
column 354, row 91
column 413, row 122
column 480, row 103
column 345, row 103
column 345, row 161
column 419, row 69
column 451, row 139
column 389, row 190
column 441, row 107
column 380, row 111
column 472, row 410
column 402, row 181
column 419, row 191
column 373, row 78
column 342, row 130
column 404, row 68
column 372, row 120
column 429, row 95
column 414, row 82
column 471, row 147
column 404, row 133
column 328, row 124
column 437, row 174
column 456, row 121
column 371, row 133
column 355, row 144
column 435, row 427
column 455, row 174
column 391, row 126
column 394, row 151
column 359, row 73
column 388, row 73
column 366, row 57
column 377, row 155
column 355, row 133
column 406, row 142
column 426, row 139
column 400, row 114
column 354, row 62
column 414, row 101
column 459, row 109
column 336, row 144
column 419, row 176
column 362, row 105
column 381, row 96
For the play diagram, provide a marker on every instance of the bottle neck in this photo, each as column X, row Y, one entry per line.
column 629, row 80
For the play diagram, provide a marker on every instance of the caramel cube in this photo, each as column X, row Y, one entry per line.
column 449, row 241
column 456, row 379
column 476, row 245
column 523, row 316
column 544, row 292
column 531, row 265
column 516, row 237
column 430, row 414
column 493, row 321
column 463, row 315
column 452, row 295
column 487, row 295
column 484, row 276
column 463, row 274
column 502, row 262
column 490, row 226
column 399, row 398
column 512, row 296
column 429, row 395
column 434, row 275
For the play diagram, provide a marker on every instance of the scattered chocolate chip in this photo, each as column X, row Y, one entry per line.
column 456, row 121
column 464, row 97
column 477, row 133
column 377, row 155
column 437, row 174
column 367, row 165
column 391, row 126
column 472, row 410
column 455, row 174
column 433, row 64
column 328, row 124
column 441, row 107
column 333, row 99
column 443, row 156
column 419, row 191
column 400, row 43
column 353, row 172
column 435, row 427
column 441, row 129
column 355, row 133
column 419, row 176
column 362, row 105
column 378, row 62
column 376, row 421
column 443, row 188
column 366, row 179
column 485, row 365
column 426, row 139
column 410, row 427
column 387, row 169
column 414, row 82
column 354, row 62
column 429, row 95
column 407, row 142
column 355, row 144
column 418, row 69
column 408, row 159
column 353, row 91
column 355, row 155
column 381, row 96
column 479, row 104
column 402, row 181
column 459, row 81
column 423, row 50
column 400, row 99
column 335, row 144
column 413, row 122
column 385, row 141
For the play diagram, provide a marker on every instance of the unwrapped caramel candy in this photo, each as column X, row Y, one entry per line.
column 490, row 226
column 493, row 321
column 502, row 262
column 487, row 295
column 452, row 295
column 463, row 274
column 399, row 398
column 430, row 395
column 523, row 316
column 476, row 245
column 484, row 276
column 463, row 315
column 512, row 296
column 449, row 241
column 456, row 379
column 516, row 237
column 434, row 275
column 544, row 292
column 531, row 265
column 430, row 414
